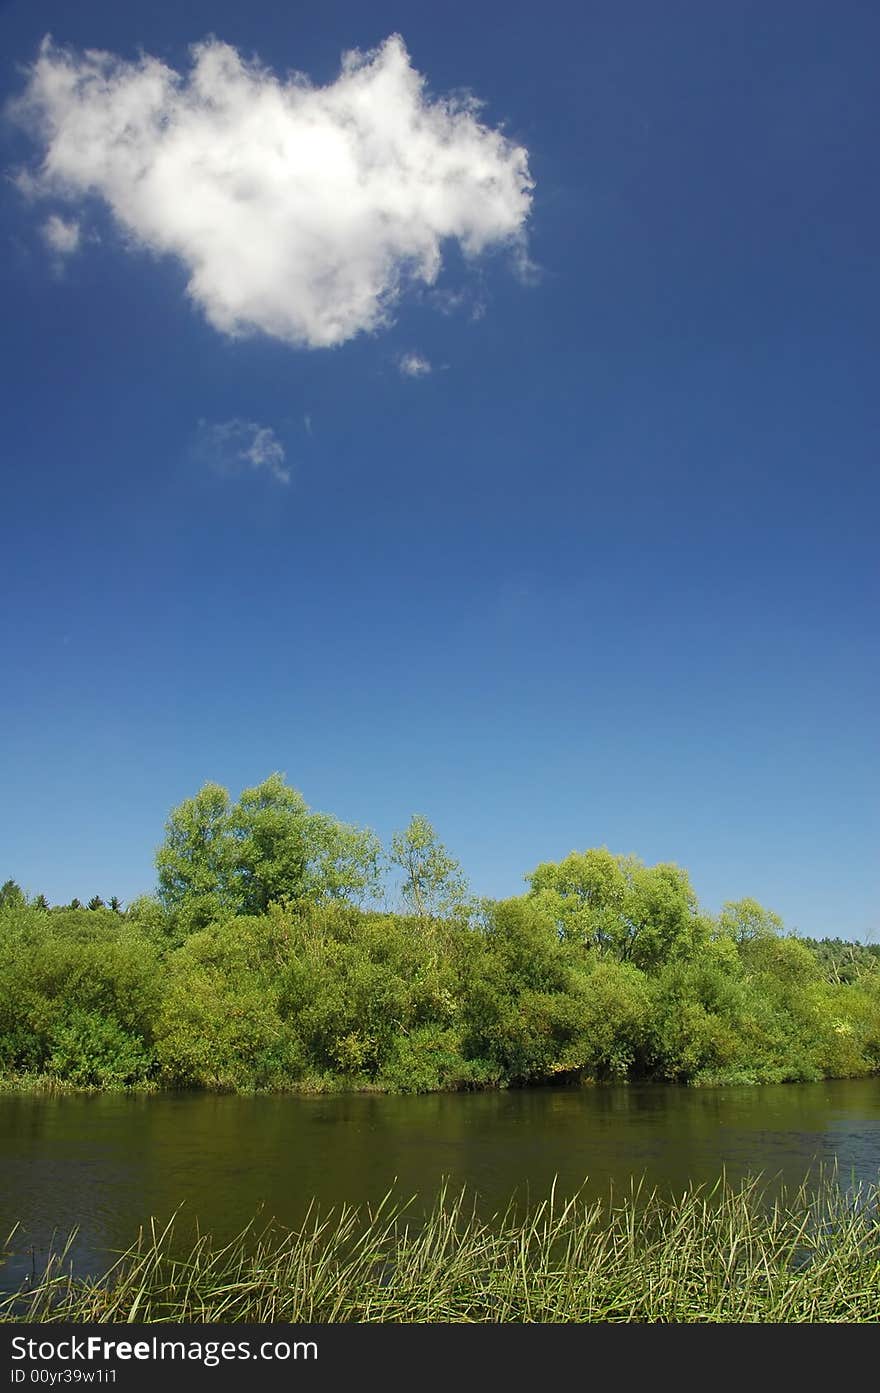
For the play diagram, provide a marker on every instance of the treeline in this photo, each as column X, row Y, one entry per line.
column 13, row 897
column 264, row 963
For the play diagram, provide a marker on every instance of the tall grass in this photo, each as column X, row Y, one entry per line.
column 725, row 1254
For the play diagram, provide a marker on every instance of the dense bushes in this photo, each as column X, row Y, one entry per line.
column 327, row 997
column 80, row 991
column 604, row 969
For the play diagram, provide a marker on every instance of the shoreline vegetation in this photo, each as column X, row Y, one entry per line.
column 743, row 1253
column 263, row 964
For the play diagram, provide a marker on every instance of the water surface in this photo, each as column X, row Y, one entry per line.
column 106, row 1163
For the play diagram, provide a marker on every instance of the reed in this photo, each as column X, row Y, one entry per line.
column 728, row 1253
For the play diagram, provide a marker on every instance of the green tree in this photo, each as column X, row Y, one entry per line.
column 96, row 903
column 517, row 987
column 219, row 1024
column 148, row 912
column 433, row 884
column 285, row 852
column 621, row 908
column 195, row 860
column 220, row 859
column 368, row 1000
column 12, row 896
column 41, row 902
column 78, row 995
column 745, row 921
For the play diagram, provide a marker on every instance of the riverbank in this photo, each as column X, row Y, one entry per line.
column 39, row 1085
column 725, row 1253
column 330, row 999
column 46, row 1084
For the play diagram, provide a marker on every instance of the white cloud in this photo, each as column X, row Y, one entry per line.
column 61, row 237
column 413, row 365
column 298, row 211
column 234, row 446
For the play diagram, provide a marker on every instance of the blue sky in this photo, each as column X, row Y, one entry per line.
column 569, row 540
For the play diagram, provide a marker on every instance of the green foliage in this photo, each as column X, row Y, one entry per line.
column 845, row 963
column 12, row 896
column 701, row 1014
column 745, row 920
column 221, row 859
column 219, row 1025
column 518, row 994
column 355, row 985
column 153, row 920
column 430, row 1058
column 432, row 883
column 79, row 992
column 195, row 862
column 615, row 1020
column 93, row 1049
column 255, row 969
column 620, row 908
column 538, row 1005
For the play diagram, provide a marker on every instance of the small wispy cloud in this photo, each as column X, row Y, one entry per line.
column 61, row 237
column 463, row 300
column 233, row 447
column 413, row 365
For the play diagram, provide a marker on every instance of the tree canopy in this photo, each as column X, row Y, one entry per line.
column 11, row 895
column 257, row 966
column 620, row 907
column 221, row 858
column 432, row 882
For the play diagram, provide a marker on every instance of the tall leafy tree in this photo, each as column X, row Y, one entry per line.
column 221, row 859
column 269, row 845
column 284, row 851
column 195, row 861
column 432, row 882
column 746, row 920
column 644, row 915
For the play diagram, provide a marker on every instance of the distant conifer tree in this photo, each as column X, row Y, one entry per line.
column 12, row 896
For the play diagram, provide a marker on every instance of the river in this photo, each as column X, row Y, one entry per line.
column 105, row 1163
